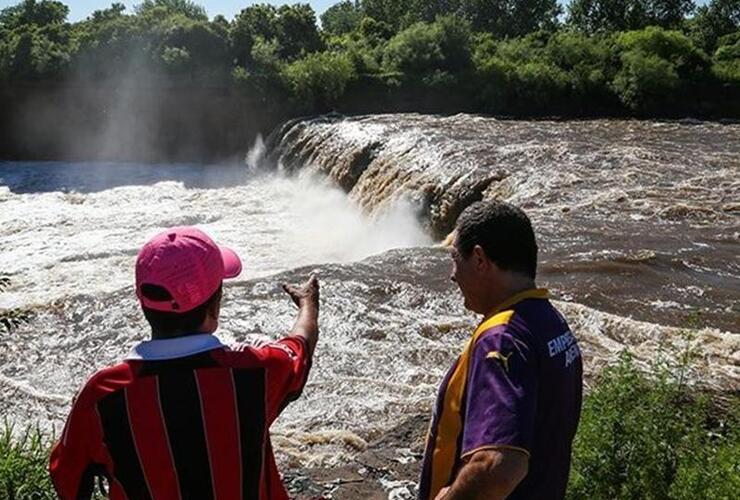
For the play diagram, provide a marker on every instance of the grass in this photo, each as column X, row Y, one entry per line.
column 23, row 465
column 644, row 434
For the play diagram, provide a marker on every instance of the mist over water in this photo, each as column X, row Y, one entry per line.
column 75, row 227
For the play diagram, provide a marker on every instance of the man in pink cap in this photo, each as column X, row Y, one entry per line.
column 183, row 416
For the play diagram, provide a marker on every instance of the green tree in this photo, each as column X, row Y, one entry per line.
column 33, row 12
column 715, row 20
column 342, row 18
column 589, row 63
column 319, row 78
column 726, row 59
column 396, row 13
column 111, row 44
column 375, row 31
column 510, row 18
column 657, row 65
column 297, row 32
column 605, row 16
column 197, row 48
column 115, row 11
column 436, row 52
column 35, row 41
column 186, row 8
column 652, row 436
column 516, row 76
column 254, row 21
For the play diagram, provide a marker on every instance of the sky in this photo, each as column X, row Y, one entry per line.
column 80, row 9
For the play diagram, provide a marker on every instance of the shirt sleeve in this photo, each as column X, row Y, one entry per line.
column 288, row 363
column 501, row 395
column 71, row 466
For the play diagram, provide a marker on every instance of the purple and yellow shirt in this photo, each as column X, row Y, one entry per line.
column 517, row 384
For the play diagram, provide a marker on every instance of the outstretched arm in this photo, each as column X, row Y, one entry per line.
column 306, row 297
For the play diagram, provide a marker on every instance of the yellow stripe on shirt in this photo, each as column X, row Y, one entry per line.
column 450, row 421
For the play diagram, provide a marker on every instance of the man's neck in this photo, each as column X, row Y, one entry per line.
column 170, row 336
column 514, row 287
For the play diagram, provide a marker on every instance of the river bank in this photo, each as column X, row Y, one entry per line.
column 694, row 440
column 177, row 122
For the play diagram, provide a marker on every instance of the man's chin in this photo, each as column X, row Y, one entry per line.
column 467, row 306
column 472, row 308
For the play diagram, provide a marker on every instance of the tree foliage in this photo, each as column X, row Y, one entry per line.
column 727, row 59
column 293, row 27
column 319, row 78
column 342, row 18
column 656, row 66
column 297, row 31
column 34, row 40
column 713, row 21
column 186, row 8
column 510, row 18
column 649, row 435
column 432, row 52
column 604, row 16
column 501, row 56
column 33, row 13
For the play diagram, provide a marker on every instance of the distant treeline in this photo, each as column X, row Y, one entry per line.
column 522, row 57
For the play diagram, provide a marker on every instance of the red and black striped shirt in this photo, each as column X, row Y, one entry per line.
column 192, row 427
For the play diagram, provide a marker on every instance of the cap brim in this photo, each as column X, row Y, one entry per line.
column 232, row 263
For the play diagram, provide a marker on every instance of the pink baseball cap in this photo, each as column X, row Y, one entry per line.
column 188, row 264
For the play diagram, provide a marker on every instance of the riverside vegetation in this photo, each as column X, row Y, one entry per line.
column 521, row 57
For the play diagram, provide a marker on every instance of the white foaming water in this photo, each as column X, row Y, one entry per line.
column 56, row 244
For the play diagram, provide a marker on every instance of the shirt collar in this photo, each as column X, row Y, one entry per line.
column 532, row 293
column 178, row 347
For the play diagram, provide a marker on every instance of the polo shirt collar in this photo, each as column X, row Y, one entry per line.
column 178, row 347
column 532, row 293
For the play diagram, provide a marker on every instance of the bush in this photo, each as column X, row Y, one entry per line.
column 30, row 52
column 587, row 60
column 518, row 75
column 726, row 60
column 319, row 78
column 430, row 51
column 658, row 68
column 651, row 436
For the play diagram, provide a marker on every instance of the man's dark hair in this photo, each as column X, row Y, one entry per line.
column 169, row 324
column 503, row 231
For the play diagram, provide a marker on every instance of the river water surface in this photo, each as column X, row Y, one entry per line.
column 638, row 223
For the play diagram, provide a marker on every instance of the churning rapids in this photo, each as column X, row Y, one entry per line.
column 638, row 222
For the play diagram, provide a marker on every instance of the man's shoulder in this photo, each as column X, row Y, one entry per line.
column 239, row 357
column 106, row 381
column 507, row 323
column 534, row 315
column 522, row 323
column 288, row 348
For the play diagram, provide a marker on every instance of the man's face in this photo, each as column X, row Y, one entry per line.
column 467, row 273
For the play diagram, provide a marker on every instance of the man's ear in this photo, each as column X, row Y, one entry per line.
column 480, row 258
column 214, row 309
